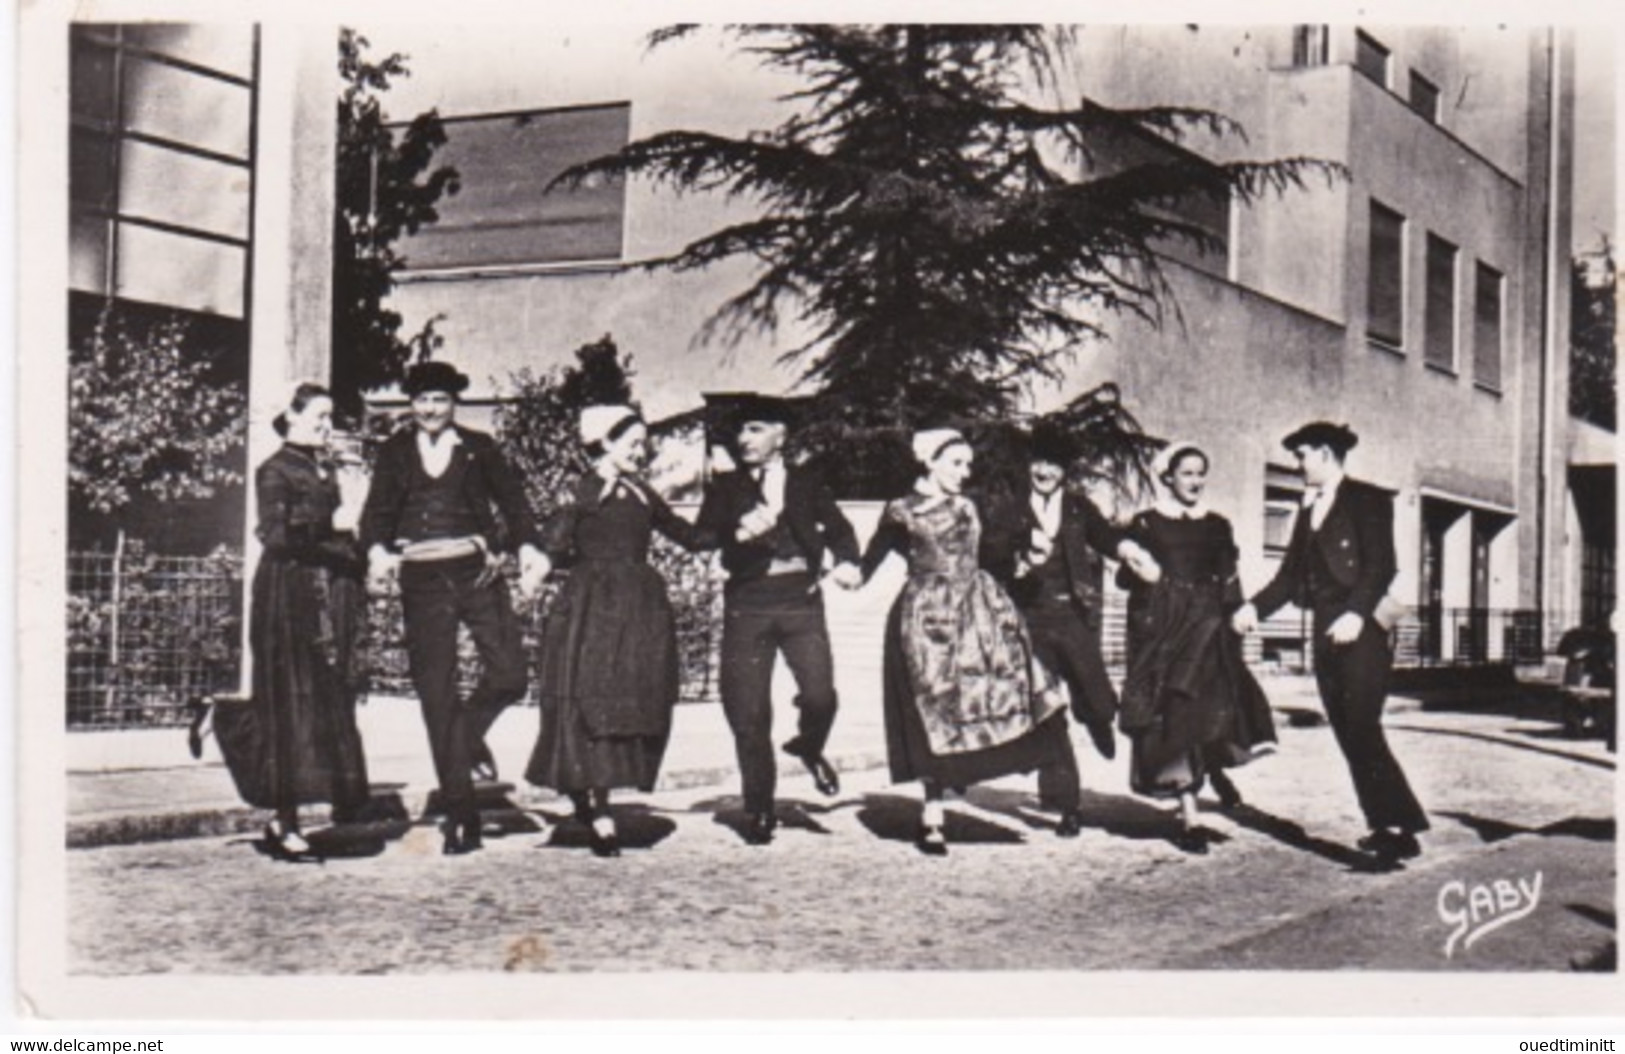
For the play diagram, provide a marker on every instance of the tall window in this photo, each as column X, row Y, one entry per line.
column 161, row 163
column 1371, row 58
column 1439, row 340
column 1424, row 97
column 1311, row 45
column 504, row 214
column 1487, row 327
column 1385, row 286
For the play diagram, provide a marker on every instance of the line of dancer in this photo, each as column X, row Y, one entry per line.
column 994, row 638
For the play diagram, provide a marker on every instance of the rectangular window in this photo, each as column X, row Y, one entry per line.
column 1311, row 45
column 504, row 216
column 1385, row 289
column 1439, row 340
column 1424, row 97
column 1487, row 327
column 1371, row 58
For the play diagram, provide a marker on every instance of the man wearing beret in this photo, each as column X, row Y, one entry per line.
column 774, row 522
column 443, row 509
column 1339, row 565
column 1046, row 549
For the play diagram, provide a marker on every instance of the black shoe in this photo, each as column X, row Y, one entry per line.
column 1104, row 739
column 1391, row 846
column 759, row 828
column 825, row 778
column 462, row 837
column 200, row 710
column 1192, row 840
column 604, row 845
column 287, row 845
column 1229, row 796
column 932, row 841
column 1071, row 824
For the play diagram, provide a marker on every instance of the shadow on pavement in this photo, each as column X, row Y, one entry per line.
column 636, row 827
column 894, row 818
column 1518, row 740
column 792, row 813
column 1488, row 829
column 1291, row 834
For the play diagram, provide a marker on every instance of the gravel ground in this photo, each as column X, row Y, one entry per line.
column 843, row 889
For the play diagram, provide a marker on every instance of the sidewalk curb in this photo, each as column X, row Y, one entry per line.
column 94, row 832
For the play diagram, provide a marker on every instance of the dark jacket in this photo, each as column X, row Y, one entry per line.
column 1356, row 544
column 811, row 516
column 1085, row 536
column 491, row 486
column 295, row 508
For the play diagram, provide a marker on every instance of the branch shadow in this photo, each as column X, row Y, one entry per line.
column 1292, row 834
column 1490, row 830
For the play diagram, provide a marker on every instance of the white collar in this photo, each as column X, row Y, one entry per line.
column 1174, row 509
column 613, row 479
column 429, row 442
column 1325, row 493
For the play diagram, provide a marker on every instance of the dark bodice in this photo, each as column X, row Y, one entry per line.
column 617, row 528
column 1193, row 554
column 938, row 537
column 296, row 500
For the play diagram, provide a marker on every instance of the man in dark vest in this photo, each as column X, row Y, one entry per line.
column 443, row 509
column 774, row 522
column 1046, row 548
column 1339, row 565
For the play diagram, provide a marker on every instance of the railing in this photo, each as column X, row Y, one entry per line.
column 148, row 634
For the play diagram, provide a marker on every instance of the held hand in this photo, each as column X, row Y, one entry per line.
column 491, row 572
column 755, row 523
column 1145, row 567
column 346, row 518
column 1245, row 620
column 847, row 576
column 382, row 567
column 1346, row 630
column 534, row 567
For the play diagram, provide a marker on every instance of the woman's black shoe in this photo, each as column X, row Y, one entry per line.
column 604, row 845
column 200, row 710
column 1229, row 796
column 287, row 845
column 931, row 841
column 1192, row 840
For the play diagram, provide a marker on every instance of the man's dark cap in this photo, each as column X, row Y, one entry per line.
column 433, row 377
column 1052, row 443
column 1340, row 438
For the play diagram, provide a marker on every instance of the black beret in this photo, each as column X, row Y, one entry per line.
column 1050, row 442
column 1340, row 438
column 729, row 411
column 433, row 377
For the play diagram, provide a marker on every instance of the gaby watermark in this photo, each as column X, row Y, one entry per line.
column 1474, row 909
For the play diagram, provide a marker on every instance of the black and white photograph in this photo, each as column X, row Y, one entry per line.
column 532, row 517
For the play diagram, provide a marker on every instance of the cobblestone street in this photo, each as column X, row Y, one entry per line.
column 842, row 887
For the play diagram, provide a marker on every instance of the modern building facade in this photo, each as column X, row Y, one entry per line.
column 1423, row 299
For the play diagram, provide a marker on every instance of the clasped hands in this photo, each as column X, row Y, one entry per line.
column 1345, row 629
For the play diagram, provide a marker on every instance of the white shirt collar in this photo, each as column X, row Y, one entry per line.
column 1047, row 510
column 436, row 452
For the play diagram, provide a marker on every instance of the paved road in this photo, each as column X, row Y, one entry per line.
column 843, row 889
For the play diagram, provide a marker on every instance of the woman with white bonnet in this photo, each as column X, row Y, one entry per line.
column 609, row 669
column 1190, row 705
column 965, row 700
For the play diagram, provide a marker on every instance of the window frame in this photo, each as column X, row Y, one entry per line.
column 1394, row 341
column 1451, row 311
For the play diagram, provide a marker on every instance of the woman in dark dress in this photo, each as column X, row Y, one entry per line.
column 295, row 741
column 965, row 700
column 1190, row 705
column 609, row 669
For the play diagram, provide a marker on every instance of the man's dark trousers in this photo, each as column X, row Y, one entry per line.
column 764, row 616
column 1353, row 682
column 436, row 596
column 1065, row 642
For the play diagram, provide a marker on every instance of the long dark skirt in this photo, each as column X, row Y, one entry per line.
column 1190, row 704
column 609, row 680
column 908, row 747
column 295, row 741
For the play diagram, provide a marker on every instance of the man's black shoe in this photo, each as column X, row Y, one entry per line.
column 825, row 778
column 759, row 828
column 1391, row 845
column 1104, row 739
column 1071, row 824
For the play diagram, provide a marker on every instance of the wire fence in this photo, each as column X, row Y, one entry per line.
column 147, row 634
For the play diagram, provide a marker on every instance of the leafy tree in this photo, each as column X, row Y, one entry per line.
column 386, row 188
column 144, row 416
column 1592, row 359
column 537, row 424
column 948, row 226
